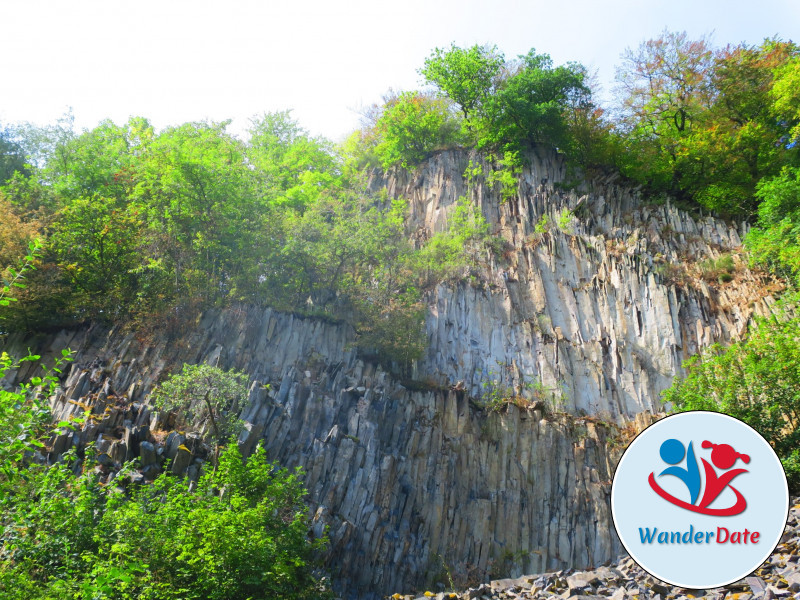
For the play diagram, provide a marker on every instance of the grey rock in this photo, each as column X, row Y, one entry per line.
column 793, row 581
column 582, row 580
column 148, row 454
column 173, row 442
column 151, row 471
column 182, row 460
column 659, row 588
column 757, row 585
column 619, row 594
column 118, row 451
column 105, row 460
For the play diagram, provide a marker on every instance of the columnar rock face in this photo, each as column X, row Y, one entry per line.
column 602, row 307
column 408, row 482
column 415, row 479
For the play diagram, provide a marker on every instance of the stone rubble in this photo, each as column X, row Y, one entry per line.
column 777, row 578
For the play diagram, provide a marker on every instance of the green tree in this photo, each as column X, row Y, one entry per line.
column 97, row 243
column 699, row 123
column 195, row 191
column 664, row 89
column 467, row 76
column 205, row 396
column 775, row 242
column 531, row 104
column 12, row 155
column 412, row 125
column 293, row 168
column 740, row 141
column 509, row 106
column 786, row 97
column 101, row 160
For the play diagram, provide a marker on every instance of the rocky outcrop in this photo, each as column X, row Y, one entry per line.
column 602, row 305
column 413, row 479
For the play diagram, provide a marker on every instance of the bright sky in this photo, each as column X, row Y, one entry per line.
column 174, row 61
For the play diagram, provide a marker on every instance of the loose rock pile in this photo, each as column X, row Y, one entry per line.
column 776, row 579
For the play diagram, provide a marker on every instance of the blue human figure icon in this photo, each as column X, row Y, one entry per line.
column 672, row 452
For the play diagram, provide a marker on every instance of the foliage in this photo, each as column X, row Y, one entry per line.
column 292, row 168
column 700, row 123
column 776, row 241
column 757, row 381
column 467, row 76
column 241, row 534
column 510, row 105
column 448, row 253
column 94, row 241
column 12, row 155
column 506, row 174
column 497, row 396
column 24, row 415
column 12, row 275
column 543, row 225
column 531, row 104
column 565, row 218
column 205, row 395
column 785, row 93
column 412, row 126
column 395, row 331
column 719, row 269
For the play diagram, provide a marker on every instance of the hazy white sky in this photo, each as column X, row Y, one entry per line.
column 175, row 61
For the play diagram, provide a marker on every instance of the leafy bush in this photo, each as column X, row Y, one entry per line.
column 447, row 253
column 775, row 242
column 206, row 395
column 241, row 535
column 412, row 126
column 718, row 269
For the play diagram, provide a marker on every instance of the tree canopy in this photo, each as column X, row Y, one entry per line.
column 704, row 124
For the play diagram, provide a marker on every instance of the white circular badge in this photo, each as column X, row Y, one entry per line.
column 699, row 499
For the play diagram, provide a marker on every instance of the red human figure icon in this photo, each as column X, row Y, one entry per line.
column 724, row 457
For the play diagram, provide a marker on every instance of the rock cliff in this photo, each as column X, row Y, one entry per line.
column 415, row 480
column 604, row 306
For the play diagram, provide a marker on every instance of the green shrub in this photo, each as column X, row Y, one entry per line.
column 412, row 126
column 241, row 535
column 720, row 269
column 207, row 395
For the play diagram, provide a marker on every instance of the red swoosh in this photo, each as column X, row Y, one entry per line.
column 737, row 508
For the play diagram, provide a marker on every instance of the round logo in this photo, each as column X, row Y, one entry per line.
column 699, row 499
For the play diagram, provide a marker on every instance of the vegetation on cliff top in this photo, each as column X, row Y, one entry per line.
column 152, row 226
